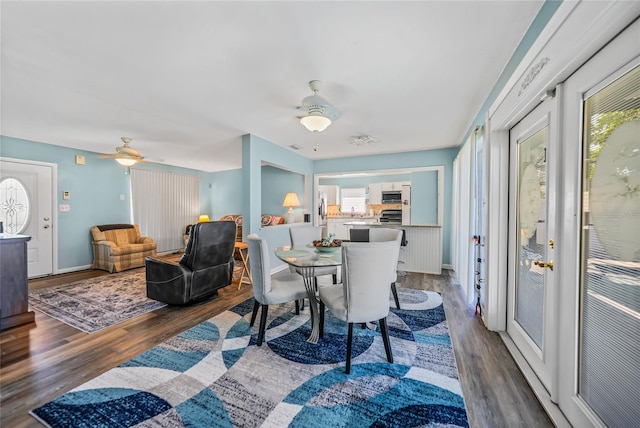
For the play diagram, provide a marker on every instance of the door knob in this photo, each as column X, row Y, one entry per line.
column 46, row 219
column 548, row 264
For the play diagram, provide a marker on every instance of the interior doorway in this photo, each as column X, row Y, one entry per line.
column 26, row 208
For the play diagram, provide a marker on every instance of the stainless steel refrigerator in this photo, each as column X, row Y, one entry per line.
column 322, row 212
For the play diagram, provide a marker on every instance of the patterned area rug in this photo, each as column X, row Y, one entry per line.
column 214, row 375
column 96, row 303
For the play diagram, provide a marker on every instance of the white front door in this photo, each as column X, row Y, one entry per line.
column 531, row 247
column 26, row 208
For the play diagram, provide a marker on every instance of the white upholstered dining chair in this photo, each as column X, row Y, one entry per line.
column 368, row 269
column 286, row 287
column 381, row 234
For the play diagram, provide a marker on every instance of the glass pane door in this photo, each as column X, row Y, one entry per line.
column 609, row 378
column 531, row 322
column 531, row 235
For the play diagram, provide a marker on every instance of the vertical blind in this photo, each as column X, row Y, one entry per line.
column 163, row 205
column 609, row 378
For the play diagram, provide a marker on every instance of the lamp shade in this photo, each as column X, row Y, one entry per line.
column 291, row 200
column 203, row 218
column 126, row 161
column 315, row 122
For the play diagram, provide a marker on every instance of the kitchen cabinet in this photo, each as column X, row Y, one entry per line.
column 331, row 227
column 338, row 227
column 375, row 193
column 342, row 231
column 395, row 186
column 332, row 192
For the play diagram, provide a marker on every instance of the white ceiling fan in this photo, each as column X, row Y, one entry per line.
column 125, row 155
column 363, row 140
column 317, row 113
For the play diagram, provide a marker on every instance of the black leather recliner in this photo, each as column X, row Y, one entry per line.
column 205, row 267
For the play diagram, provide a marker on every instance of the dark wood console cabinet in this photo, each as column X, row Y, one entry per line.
column 14, row 285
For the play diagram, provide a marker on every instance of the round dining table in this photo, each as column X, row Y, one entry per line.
column 306, row 259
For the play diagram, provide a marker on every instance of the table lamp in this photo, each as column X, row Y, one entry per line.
column 291, row 200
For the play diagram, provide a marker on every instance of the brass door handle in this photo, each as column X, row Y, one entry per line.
column 549, row 264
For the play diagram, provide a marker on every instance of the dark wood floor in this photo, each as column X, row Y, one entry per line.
column 44, row 360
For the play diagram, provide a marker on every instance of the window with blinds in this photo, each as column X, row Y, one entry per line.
column 609, row 377
column 163, row 205
column 353, row 200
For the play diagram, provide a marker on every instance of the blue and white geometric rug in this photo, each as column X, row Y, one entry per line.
column 213, row 375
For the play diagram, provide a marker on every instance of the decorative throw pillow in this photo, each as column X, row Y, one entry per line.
column 275, row 220
column 233, row 217
column 265, row 220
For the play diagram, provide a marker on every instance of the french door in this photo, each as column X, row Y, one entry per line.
column 26, row 208
column 599, row 385
column 530, row 306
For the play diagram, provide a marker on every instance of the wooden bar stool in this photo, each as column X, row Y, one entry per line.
column 243, row 249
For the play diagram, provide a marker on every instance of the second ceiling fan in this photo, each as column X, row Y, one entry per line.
column 125, row 155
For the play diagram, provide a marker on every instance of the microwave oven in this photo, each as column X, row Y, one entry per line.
column 392, row 197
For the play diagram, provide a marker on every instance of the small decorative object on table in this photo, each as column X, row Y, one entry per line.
column 327, row 244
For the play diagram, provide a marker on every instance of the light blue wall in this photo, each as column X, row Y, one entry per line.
column 276, row 183
column 225, row 193
column 418, row 159
column 95, row 193
column 256, row 152
column 424, row 197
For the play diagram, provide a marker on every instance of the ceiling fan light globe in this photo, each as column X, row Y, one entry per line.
column 315, row 122
column 126, row 161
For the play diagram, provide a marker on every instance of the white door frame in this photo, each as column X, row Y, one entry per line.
column 54, row 199
column 576, row 32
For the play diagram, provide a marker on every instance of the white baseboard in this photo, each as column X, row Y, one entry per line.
column 280, row 268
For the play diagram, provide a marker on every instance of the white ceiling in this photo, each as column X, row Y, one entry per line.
column 186, row 80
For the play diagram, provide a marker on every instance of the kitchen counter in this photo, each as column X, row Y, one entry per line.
column 363, row 222
column 340, row 226
column 350, row 217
